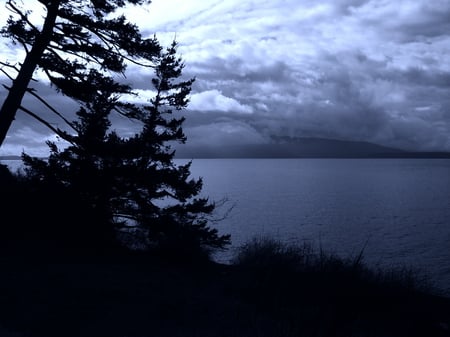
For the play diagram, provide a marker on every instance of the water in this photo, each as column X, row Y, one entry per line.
column 397, row 210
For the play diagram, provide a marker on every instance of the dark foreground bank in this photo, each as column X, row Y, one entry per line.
column 270, row 290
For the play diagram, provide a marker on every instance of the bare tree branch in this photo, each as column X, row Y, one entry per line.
column 6, row 64
column 69, row 123
column 22, row 15
column 57, row 131
column 7, row 75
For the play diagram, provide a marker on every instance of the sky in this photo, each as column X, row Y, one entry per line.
column 365, row 70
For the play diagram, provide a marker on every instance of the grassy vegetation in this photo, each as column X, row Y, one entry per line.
column 270, row 290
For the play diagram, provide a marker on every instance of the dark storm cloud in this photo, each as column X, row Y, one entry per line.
column 420, row 77
column 406, row 20
column 238, row 69
column 371, row 70
column 350, row 96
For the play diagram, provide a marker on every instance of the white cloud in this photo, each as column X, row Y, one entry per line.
column 140, row 96
column 277, row 63
column 214, row 100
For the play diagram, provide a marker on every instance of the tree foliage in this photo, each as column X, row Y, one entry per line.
column 114, row 190
column 132, row 184
column 81, row 44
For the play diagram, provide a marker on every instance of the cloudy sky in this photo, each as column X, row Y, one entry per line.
column 371, row 70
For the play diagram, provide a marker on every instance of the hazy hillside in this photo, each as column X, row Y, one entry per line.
column 283, row 147
column 10, row 158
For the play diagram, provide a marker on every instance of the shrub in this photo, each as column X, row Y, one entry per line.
column 268, row 253
column 350, row 274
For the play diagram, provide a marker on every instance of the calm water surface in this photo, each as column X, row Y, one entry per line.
column 397, row 210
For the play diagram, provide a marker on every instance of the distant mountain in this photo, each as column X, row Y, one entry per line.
column 10, row 158
column 285, row 147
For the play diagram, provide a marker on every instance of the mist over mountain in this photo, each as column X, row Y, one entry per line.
column 299, row 147
column 286, row 147
column 10, row 158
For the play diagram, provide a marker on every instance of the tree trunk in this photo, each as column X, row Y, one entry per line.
column 19, row 86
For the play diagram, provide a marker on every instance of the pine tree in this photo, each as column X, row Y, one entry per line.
column 81, row 44
column 132, row 185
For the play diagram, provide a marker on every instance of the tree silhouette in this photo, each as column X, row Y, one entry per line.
column 80, row 45
column 133, row 188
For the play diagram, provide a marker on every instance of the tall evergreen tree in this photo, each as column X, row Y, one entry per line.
column 80, row 45
column 132, row 184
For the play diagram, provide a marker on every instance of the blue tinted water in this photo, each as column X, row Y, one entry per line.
column 397, row 210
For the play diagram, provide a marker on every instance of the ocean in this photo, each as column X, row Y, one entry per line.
column 397, row 211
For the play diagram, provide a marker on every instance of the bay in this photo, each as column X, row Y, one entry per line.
column 397, row 211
